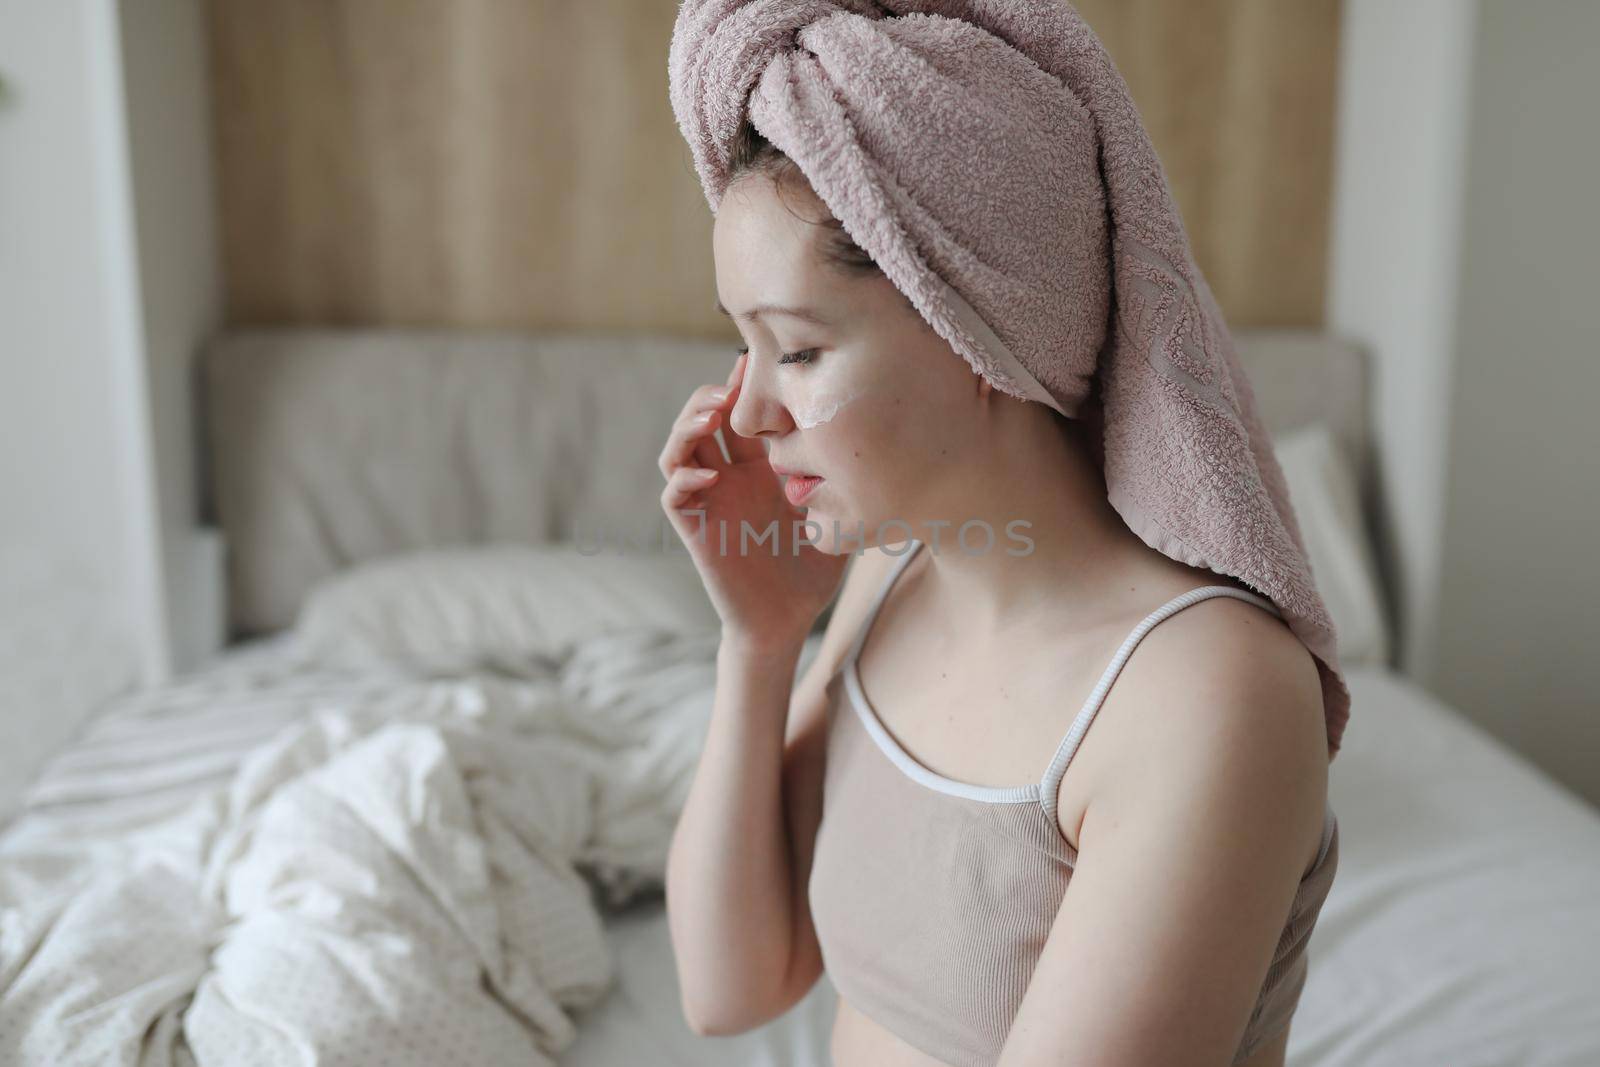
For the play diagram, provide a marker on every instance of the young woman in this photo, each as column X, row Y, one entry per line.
column 993, row 881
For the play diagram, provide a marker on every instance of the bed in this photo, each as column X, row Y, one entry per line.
column 418, row 810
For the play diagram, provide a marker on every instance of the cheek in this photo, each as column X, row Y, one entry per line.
column 813, row 407
column 869, row 445
column 819, row 398
column 808, row 415
column 859, row 430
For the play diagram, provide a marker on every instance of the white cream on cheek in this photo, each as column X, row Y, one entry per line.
column 815, row 396
column 820, row 412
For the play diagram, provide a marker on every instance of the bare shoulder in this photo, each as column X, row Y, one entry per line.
column 1228, row 673
column 1222, row 699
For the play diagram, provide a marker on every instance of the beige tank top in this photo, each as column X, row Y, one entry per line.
column 932, row 898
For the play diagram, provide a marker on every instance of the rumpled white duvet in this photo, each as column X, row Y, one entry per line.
column 268, row 864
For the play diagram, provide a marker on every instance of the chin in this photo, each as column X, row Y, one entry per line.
column 826, row 542
column 845, row 543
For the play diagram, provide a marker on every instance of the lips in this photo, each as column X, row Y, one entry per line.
column 799, row 488
column 797, row 485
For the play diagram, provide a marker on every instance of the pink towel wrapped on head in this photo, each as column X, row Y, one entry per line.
column 988, row 156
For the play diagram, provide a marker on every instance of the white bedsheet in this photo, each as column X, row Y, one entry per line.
column 62, row 654
column 267, row 863
column 1463, row 927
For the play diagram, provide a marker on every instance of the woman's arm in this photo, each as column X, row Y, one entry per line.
column 1191, row 852
column 727, row 884
column 740, row 857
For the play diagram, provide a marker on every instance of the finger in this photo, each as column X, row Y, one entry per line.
column 705, row 398
column 692, row 443
column 675, row 453
column 703, row 428
column 685, row 486
column 720, row 397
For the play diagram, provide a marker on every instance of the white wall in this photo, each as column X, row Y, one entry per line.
column 180, row 296
column 97, row 330
column 1465, row 230
column 1518, row 628
column 1400, row 145
column 70, row 623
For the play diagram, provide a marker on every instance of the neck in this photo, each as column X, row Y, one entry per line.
column 1082, row 550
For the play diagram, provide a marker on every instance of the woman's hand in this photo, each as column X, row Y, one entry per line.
column 766, row 599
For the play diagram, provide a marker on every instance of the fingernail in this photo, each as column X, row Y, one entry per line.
column 719, row 395
column 704, row 474
column 704, row 416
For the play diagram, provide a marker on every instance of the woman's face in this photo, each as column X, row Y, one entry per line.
column 868, row 396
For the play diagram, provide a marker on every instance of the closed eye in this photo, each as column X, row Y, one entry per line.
column 803, row 356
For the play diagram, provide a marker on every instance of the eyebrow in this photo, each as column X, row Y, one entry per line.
column 803, row 313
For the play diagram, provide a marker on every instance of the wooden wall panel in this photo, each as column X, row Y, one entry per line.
column 1238, row 96
column 515, row 163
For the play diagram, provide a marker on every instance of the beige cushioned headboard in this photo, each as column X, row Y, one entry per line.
column 329, row 447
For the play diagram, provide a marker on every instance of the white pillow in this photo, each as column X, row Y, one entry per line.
column 516, row 608
column 1324, row 494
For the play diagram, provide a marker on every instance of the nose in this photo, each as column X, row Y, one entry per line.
column 758, row 411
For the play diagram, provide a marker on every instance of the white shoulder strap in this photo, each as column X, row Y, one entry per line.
column 1051, row 783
